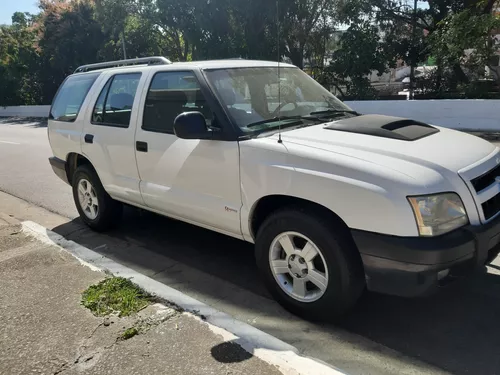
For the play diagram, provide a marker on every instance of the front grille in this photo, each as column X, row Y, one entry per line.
column 485, row 180
column 491, row 207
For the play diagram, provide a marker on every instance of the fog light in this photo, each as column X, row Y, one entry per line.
column 442, row 274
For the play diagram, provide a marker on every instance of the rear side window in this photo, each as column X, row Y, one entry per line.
column 114, row 104
column 70, row 97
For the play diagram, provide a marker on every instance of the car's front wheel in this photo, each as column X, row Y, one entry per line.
column 96, row 208
column 310, row 267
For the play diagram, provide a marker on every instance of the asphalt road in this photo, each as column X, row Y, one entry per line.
column 24, row 168
column 452, row 332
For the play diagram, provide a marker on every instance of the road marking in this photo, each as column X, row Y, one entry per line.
column 10, row 143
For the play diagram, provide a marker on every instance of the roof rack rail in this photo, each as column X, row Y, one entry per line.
column 153, row 60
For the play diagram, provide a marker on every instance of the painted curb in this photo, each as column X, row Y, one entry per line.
column 262, row 345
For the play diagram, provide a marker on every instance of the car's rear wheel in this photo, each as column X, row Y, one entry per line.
column 309, row 264
column 96, row 208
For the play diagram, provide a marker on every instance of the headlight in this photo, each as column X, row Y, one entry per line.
column 439, row 213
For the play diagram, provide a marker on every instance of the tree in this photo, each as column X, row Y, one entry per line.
column 19, row 80
column 259, row 31
column 320, row 43
column 38, row 51
column 176, row 22
column 70, row 36
column 360, row 51
column 300, row 19
column 199, row 29
column 127, row 26
column 113, row 15
column 436, row 19
column 464, row 40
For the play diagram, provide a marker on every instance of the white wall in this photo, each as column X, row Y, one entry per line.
column 457, row 114
column 25, row 111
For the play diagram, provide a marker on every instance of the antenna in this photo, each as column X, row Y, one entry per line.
column 279, row 75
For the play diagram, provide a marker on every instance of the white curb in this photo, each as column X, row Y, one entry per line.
column 262, row 345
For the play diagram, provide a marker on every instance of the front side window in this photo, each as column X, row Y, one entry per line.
column 70, row 97
column 255, row 97
column 169, row 95
column 114, row 104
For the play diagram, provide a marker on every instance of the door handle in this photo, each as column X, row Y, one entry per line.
column 141, row 146
column 89, row 138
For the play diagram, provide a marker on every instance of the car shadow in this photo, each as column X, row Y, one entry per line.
column 455, row 330
column 33, row 122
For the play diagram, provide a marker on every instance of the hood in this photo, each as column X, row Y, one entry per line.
column 372, row 136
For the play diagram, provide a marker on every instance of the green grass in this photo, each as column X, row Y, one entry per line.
column 129, row 333
column 115, row 295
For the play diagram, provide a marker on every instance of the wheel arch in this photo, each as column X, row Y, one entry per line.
column 73, row 161
column 266, row 205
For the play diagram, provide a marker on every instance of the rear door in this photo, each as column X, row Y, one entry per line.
column 194, row 180
column 108, row 136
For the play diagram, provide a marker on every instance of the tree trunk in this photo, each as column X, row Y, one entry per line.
column 297, row 57
column 459, row 73
column 186, row 49
column 339, row 89
column 488, row 7
column 439, row 74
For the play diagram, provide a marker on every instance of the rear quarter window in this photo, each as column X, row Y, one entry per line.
column 70, row 96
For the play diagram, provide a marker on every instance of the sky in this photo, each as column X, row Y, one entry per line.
column 9, row 7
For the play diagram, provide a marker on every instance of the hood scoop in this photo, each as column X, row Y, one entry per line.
column 384, row 126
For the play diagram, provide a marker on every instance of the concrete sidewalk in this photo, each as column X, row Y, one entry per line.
column 45, row 330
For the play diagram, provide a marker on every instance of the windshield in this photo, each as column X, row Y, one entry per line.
column 250, row 97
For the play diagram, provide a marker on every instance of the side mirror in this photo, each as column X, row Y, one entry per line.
column 191, row 125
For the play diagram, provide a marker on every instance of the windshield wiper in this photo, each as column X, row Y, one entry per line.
column 280, row 118
column 334, row 112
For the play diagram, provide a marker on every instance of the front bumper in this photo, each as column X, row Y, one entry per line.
column 59, row 168
column 409, row 266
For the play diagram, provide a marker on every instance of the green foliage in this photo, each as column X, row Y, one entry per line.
column 300, row 19
column 128, row 22
column 19, row 62
column 38, row 51
column 360, row 52
column 464, row 40
column 71, row 36
column 129, row 333
column 115, row 295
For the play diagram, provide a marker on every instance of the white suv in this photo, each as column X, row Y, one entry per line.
column 334, row 201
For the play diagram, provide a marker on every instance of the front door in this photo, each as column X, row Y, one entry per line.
column 193, row 180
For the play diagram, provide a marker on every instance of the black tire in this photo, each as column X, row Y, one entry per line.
column 110, row 211
column 346, row 281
